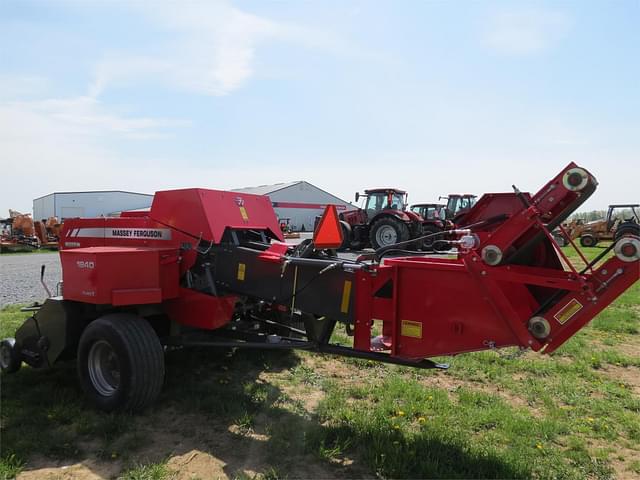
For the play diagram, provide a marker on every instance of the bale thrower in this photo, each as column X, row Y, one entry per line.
column 209, row 268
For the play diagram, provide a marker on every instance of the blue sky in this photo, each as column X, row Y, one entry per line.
column 433, row 97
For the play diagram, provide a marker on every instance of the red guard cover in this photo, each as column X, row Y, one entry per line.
column 207, row 213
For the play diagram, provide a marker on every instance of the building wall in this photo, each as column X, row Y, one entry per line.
column 302, row 202
column 88, row 204
column 43, row 207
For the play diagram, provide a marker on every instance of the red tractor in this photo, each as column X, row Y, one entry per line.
column 458, row 205
column 435, row 221
column 382, row 221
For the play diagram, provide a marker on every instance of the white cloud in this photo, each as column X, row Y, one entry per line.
column 18, row 86
column 58, row 144
column 520, row 32
column 212, row 49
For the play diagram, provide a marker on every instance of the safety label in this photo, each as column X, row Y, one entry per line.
column 569, row 310
column 241, row 270
column 411, row 329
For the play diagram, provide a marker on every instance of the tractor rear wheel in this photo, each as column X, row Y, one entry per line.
column 388, row 231
column 627, row 228
column 588, row 240
column 120, row 362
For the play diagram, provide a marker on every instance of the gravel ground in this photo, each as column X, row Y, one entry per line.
column 20, row 276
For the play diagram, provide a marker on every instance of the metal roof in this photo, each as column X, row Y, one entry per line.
column 276, row 187
column 93, row 191
column 267, row 189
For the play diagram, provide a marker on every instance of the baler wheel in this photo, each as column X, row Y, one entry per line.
column 10, row 361
column 388, row 231
column 120, row 362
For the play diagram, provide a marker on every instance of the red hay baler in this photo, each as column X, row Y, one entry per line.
column 206, row 267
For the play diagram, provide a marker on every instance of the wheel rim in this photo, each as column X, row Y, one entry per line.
column 386, row 235
column 5, row 357
column 104, row 368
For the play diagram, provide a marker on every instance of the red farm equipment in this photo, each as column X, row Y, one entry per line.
column 458, row 205
column 383, row 220
column 434, row 221
column 209, row 268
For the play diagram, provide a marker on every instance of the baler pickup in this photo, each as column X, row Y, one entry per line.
column 207, row 267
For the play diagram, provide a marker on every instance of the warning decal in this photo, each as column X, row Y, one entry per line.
column 241, row 269
column 346, row 291
column 411, row 329
column 569, row 310
column 243, row 212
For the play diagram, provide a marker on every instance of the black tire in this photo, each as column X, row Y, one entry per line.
column 626, row 229
column 120, row 362
column 10, row 360
column 588, row 240
column 391, row 228
column 427, row 243
column 559, row 238
column 346, row 236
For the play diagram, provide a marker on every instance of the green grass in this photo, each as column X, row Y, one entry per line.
column 156, row 471
column 568, row 415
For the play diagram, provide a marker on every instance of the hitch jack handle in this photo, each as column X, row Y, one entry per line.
column 44, row 285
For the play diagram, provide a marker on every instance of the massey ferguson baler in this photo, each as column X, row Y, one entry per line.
column 206, row 267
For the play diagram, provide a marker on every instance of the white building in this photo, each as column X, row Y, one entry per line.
column 299, row 201
column 88, row 204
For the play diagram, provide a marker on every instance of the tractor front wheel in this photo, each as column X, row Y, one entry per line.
column 588, row 240
column 388, row 231
column 427, row 243
column 346, row 236
column 120, row 362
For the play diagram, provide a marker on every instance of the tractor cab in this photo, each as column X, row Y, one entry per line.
column 458, row 205
column 617, row 214
column 430, row 211
column 380, row 199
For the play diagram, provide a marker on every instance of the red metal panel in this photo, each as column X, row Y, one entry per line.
column 200, row 310
column 576, row 309
column 93, row 274
column 118, row 231
column 136, row 296
column 493, row 204
column 441, row 309
column 207, row 214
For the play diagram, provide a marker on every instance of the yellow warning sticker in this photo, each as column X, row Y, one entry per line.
column 569, row 310
column 241, row 269
column 346, row 293
column 411, row 329
column 243, row 212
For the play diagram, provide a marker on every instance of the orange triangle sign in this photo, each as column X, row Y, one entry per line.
column 329, row 231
